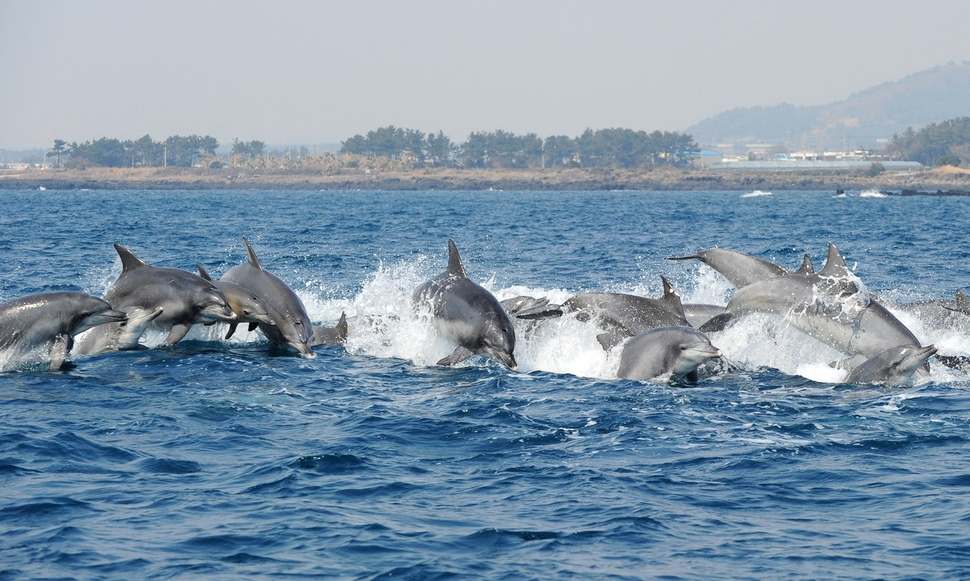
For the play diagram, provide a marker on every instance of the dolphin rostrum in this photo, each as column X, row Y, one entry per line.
column 185, row 299
column 290, row 322
column 51, row 321
column 467, row 314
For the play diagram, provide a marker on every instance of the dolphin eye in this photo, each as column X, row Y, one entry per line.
column 683, row 347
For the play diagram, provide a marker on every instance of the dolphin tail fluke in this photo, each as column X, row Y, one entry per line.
column 253, row 259
column 715, row 324
column 203, row 272
column 252, row 327
column 455, row 267
column 128, row 259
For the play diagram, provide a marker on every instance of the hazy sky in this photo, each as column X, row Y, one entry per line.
column 314, row 72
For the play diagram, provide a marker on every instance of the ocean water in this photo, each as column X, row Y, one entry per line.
column 216, row 459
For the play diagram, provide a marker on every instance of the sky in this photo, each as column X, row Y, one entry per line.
column 293, row 72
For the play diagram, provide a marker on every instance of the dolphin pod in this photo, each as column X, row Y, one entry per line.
column 655, row 337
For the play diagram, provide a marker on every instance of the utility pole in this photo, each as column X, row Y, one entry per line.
column 165, row 154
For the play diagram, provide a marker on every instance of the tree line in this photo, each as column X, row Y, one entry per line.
column 616, row 147
column 943, row 143
column 177, row 150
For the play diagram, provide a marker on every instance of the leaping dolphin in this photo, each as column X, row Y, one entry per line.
column 893, row 367
column 336, row 335
column 740, row 269
column 467, row 314
column 52, row 320
column 677, row 351
column 247, row 306
column 185, row 299
column 827, row 305
column 290, row 322
column 623, row 315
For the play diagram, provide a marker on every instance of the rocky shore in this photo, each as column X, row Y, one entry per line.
column 943, row 180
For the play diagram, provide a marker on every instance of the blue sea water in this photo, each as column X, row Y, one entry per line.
column 216, row 459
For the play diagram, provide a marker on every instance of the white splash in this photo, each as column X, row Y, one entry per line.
column 757, row 194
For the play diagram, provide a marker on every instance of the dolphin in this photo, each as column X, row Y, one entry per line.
column 290, row 322
column 184, row 298
column 467, row 314
column 247, row 306
column 894, row 366
column 117, row 336
column 740, row 269
column 336, row 335
column 677, row 351
column 623, row 315
column 52, row 320
column 948, row 314
column 827, row 305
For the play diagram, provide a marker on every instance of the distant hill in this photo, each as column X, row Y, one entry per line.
column 864, row 118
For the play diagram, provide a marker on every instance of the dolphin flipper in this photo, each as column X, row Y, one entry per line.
column 457, row 356
column 252, row 327
column 177, row 333
column 718, row 323
column 59, row 351
column 611, row 339
column 232, row 329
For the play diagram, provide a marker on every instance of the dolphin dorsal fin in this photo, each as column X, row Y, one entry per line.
column 128, row 259
column 253, row 260
column 342, row 328
column 807, row 267
column 672, row 299
column 834, row 263
column 455, row 267
column 961, row 298
column 203, row 272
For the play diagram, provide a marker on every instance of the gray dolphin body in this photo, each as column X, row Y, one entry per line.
column 336, row 335
column 185, row 299
column 677, row 351
column 290, row 323
column 825, row 305
column 698, row 313
column 246, row 306
column 467, row 314
column 623, row 315
column 740, row 269
column 52, row 320
column 626, row 315
column 948, row 314
column 117, row 336
column 894, row 366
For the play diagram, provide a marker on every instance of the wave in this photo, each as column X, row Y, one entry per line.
column 757, row 194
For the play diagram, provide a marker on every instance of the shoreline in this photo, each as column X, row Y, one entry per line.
column 942, row 180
